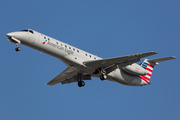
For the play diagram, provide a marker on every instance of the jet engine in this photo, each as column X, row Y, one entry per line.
column 135, row 69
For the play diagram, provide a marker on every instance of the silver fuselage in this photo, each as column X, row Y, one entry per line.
column 72, row 56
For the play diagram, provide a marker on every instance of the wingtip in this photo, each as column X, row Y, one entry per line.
column 48, row 84
column 173, row 57
column 154, row 52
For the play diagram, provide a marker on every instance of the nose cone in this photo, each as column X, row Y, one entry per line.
column 12, row 34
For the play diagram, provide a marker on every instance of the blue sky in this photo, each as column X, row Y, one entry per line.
column 101, row 27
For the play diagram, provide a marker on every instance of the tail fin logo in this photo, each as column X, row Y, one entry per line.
column 149, row 68
column 144, row 65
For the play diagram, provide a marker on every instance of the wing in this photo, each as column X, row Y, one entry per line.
column 69, row 72
column 95, row 64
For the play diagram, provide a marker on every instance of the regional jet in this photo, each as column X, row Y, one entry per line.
column 83, row 65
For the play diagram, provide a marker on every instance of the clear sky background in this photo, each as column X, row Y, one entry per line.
column 107, row 28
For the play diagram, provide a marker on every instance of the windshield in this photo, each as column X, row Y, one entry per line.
column 27, row 30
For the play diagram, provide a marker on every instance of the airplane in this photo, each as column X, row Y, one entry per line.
column 83, row 65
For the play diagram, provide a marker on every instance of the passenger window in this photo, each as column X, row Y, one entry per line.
column 73, row 49
column 56, row 42
column 61, row 44
column 65, row 46
column 95, row 58
column 44, row 37
column 89, row 55
column 86, row 54
column 77, row 50
column 69, row 47
column 48, row 39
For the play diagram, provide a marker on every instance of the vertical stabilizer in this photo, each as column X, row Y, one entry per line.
column 148, row 66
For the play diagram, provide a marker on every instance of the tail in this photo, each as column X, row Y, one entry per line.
column 148, row 65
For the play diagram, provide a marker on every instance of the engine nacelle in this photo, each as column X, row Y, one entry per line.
column 135, row 69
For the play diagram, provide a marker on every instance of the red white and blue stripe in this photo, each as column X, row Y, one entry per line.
column 149, row 69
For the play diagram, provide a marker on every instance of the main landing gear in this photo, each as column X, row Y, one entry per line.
column 81, row 83
column 103, row 75
column 79, row 80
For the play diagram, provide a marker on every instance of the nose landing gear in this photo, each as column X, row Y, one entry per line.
column 18, row 48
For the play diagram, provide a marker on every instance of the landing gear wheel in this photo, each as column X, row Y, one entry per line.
column 81, row 83
column 17, row 49
column 103, row 77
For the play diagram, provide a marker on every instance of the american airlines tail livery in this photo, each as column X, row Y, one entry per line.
column 83, row 65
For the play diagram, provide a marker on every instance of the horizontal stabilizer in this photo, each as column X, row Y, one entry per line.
column 161, row 59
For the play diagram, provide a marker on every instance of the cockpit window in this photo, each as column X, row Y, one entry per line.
column 31, row 31
column 25, row 30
